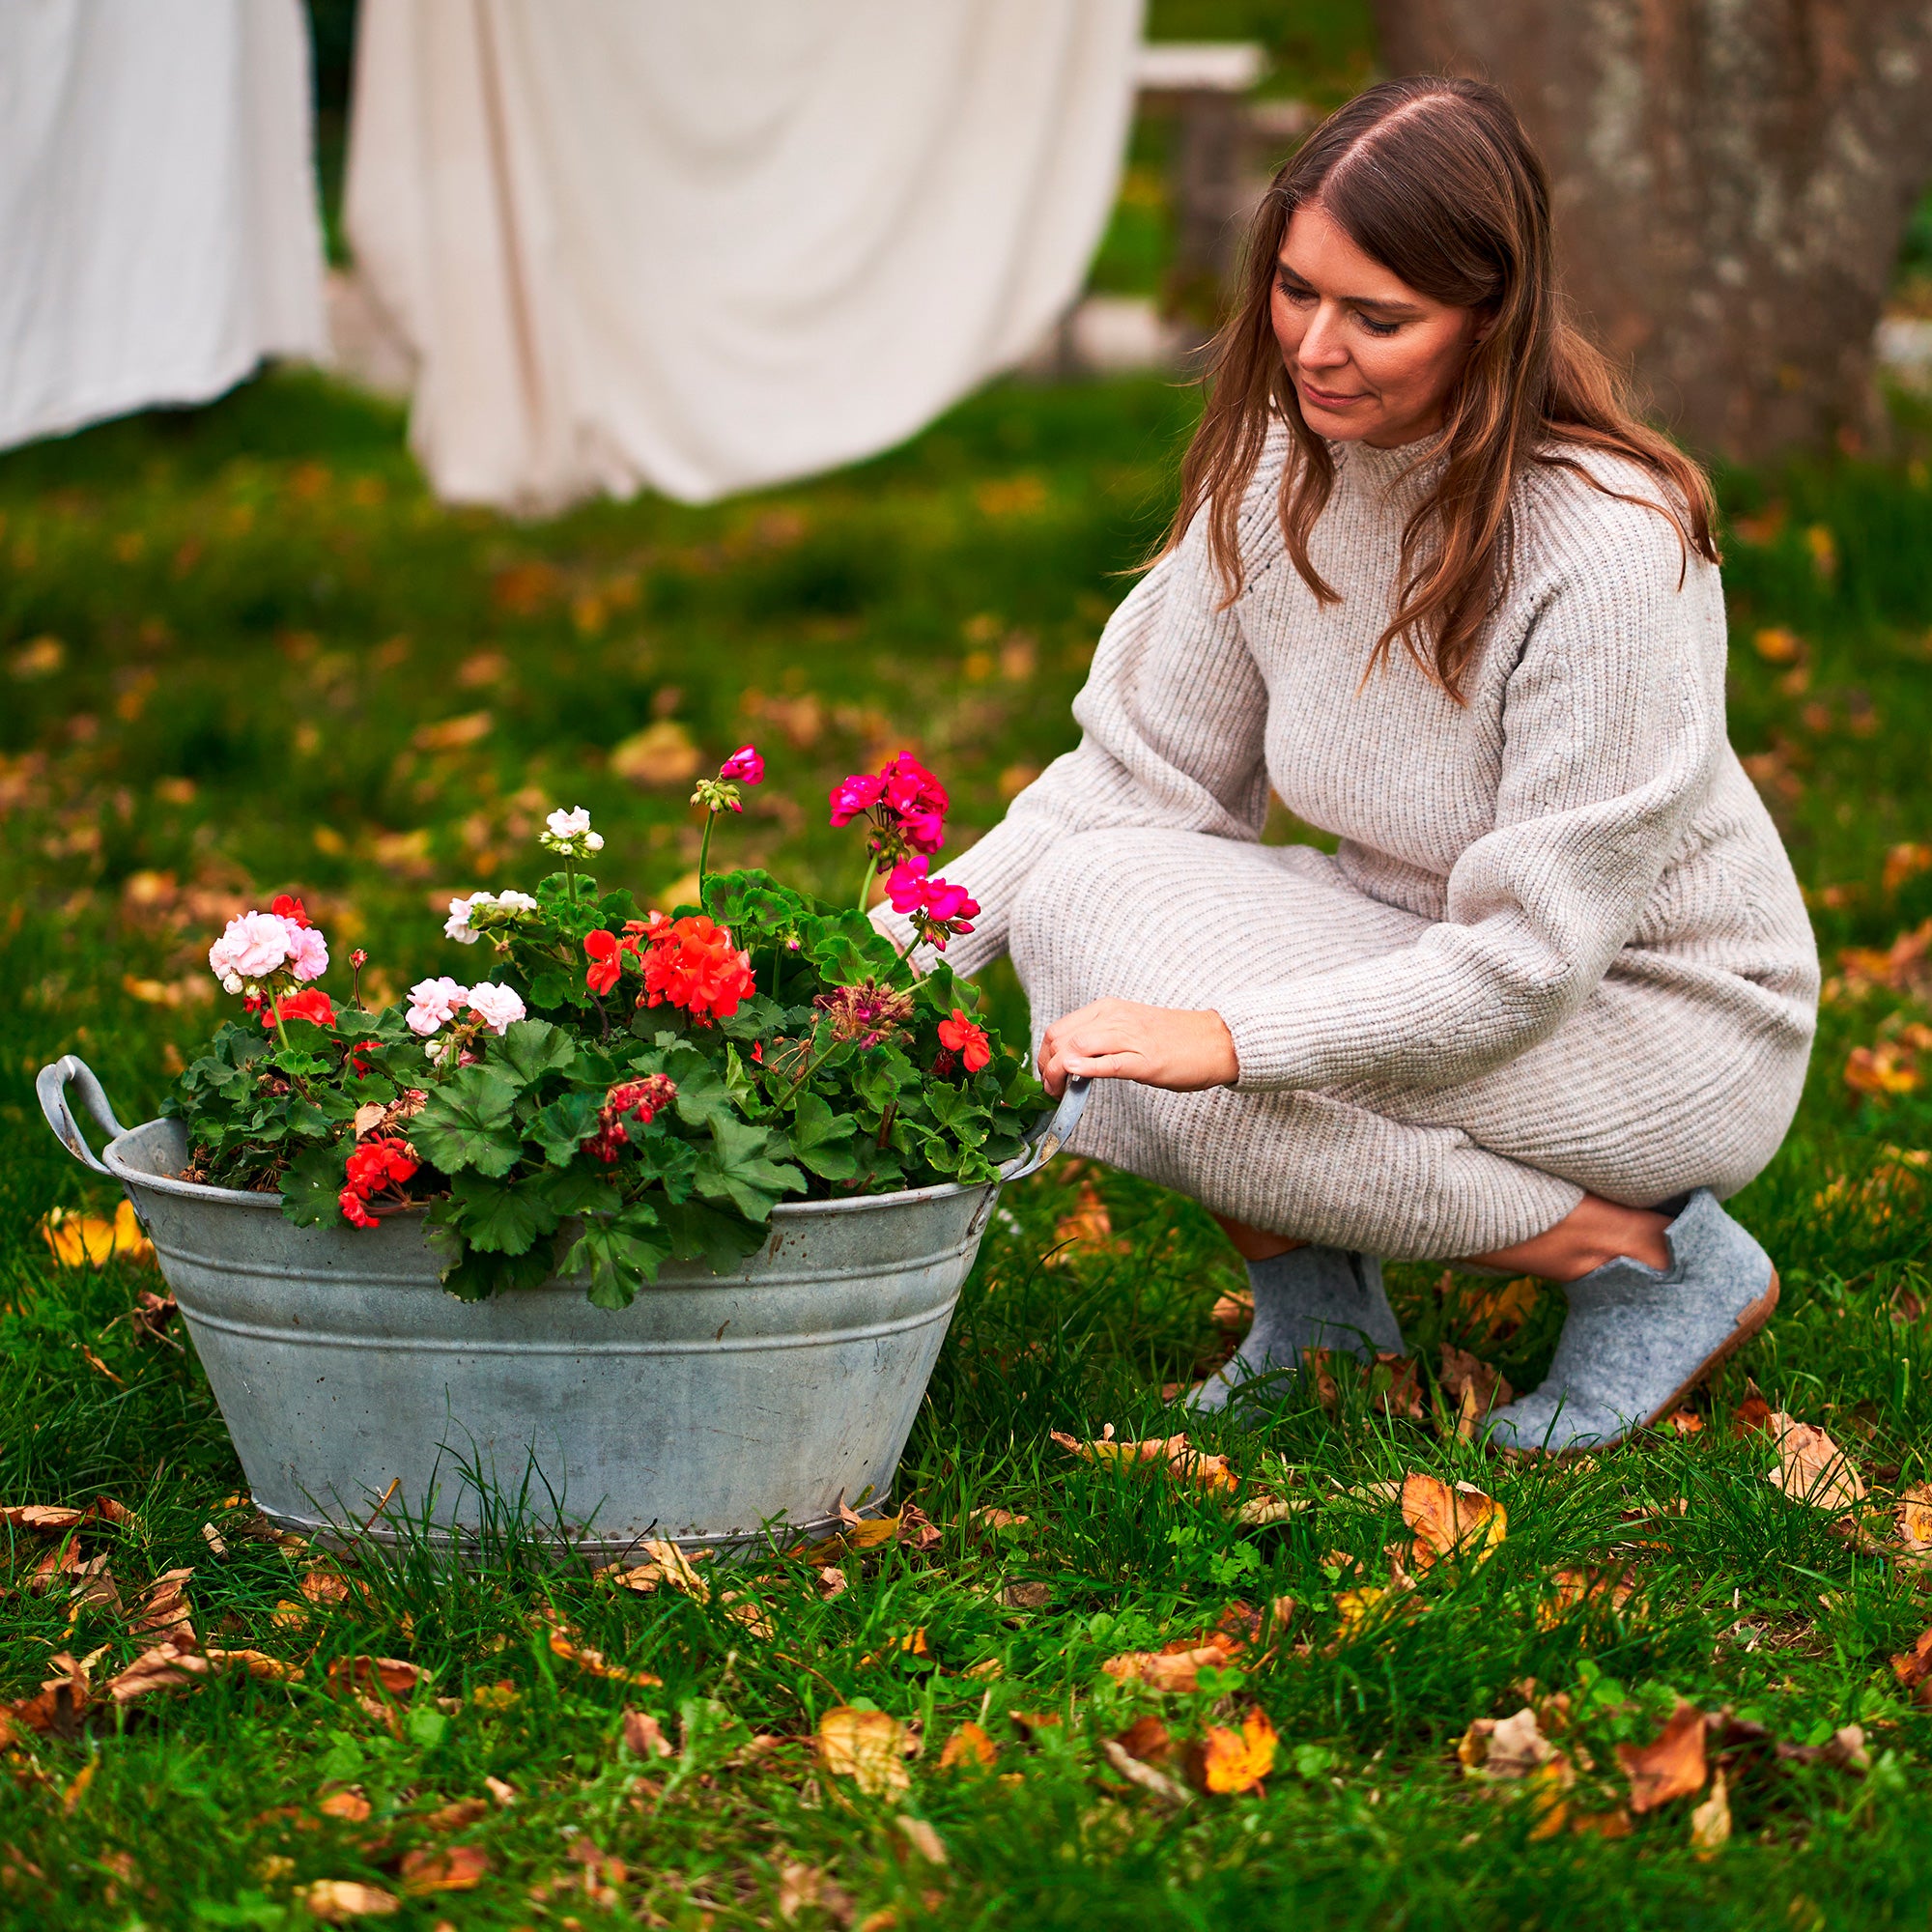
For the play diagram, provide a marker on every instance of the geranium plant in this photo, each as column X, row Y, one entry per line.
column 621, row 1085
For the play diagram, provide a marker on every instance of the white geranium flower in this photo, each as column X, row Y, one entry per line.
column 568, row 824
column 457, row 925
column 518, row 901
column 495, row 1005
column 594, row 841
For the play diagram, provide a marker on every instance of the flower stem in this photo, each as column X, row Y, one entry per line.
column 865, row 884
column 704, row 851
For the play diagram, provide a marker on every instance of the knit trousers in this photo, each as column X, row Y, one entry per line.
column 1638, row 1097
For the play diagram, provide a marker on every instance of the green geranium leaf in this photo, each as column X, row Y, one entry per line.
column 735, row 1168
column 619, row 1255
column 563, row 1126
column 823, row 1141
column 531, row 1048
column 501, row 1217
column 717, row 1237
column 702, row 1097
column 578, row 1190
column 465, row 1123
column 312, row 1186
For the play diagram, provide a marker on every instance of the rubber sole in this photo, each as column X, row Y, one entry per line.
column 1752, row 1318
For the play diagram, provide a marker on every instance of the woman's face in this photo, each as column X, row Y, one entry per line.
column 1372, row 360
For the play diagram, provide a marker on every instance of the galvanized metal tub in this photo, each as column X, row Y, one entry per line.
column 715, row 1409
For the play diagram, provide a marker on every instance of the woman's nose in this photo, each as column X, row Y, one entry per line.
column 1321, row 344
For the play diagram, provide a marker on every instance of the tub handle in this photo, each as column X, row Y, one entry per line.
column 1053, row 1133
column 52, row 1086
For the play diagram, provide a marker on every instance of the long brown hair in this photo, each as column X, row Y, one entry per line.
column 1435, row 180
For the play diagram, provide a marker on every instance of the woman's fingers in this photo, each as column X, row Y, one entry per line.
column 1118, row 1040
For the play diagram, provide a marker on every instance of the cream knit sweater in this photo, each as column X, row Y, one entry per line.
column 1559, row 928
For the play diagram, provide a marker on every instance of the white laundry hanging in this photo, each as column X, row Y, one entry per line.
column 704, row 248
column 159, row 230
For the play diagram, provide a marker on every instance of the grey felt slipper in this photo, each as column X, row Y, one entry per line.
column 1637, row 1340
column 1311, row 1297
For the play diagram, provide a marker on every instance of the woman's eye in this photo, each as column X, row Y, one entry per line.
column 1376, row 327
column 1293, row 294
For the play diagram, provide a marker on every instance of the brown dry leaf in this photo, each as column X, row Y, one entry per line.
column 1752, row 1416
column 164, row 1604
column 643, row 1736
column 169, row 1664
column 1451, row 1521
column 1027, row 1596
column 1685, row 1422
column 922, row 1838
column 661, row 755
column 450, row 1868
column 393, row 1675
column 1327, row 1392
column 335, row 1900
column 51, row 1517
column 1615, row 1824
column 803, row 1885
column 1811, row 1469
column 100, row 1367
column 1578, row 1589
column 458, row 1815
column 350, row 1806
column 1710, row 1821
column 1394, row 1387
column 866, row 1746
column 996, row 1519
column 969, row 1744
column 1915, row 1515
column 1505, row 1749
column 503, row 1794
column 1175, row 1666
column 1914, row 1668
column 1473, row 1386
column 325, row 1587
column 1234, row 1312
column 1146, row 1739
column 1088, row 1229
column 563, row 1643
column 1227, row 1761
column 1260, row 1511
column 62, row 1698
column 1671, row 1764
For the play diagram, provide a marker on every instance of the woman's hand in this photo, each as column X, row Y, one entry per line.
column 1159, row 1046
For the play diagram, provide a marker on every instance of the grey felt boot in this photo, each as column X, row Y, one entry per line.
column 1310, row 1297
column 1637, row 1341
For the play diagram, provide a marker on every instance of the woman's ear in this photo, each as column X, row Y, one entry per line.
column 1485, row 326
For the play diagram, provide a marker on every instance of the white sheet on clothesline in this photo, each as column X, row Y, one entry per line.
column 158, row 232
column 704, row 248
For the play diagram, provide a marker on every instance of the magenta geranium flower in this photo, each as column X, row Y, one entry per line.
column 855, row 795
column 743, row 765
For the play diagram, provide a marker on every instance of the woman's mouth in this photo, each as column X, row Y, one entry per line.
column 1328, row 399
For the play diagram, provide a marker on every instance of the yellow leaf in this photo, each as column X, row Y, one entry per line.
column 1710, row 1821
column 83, row 1241
column 335, row 1900
column 866, row 1746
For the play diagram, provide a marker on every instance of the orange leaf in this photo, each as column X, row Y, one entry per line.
column 458, row 1815
column 1914, row 1668
column 1915, row 1515
column 968, row 1745
column 350, row 1806
column 334, row 1900
column 175, row 1661
column 1448, row 1523
column 1578, row 1589
column 451, row 1868
column 1671, row 1764
column 1089, row 1228
column 1232, row 1761
column 1146, row 1739
column 866, row 1746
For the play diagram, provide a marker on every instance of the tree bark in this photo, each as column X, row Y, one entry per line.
column 1732, row 180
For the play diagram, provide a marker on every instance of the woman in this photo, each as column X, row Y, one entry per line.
column 1553, row 995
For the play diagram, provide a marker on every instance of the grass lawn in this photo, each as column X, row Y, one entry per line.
column 241, row 652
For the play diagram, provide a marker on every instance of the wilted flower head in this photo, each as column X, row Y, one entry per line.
column 866, row 1012
column 640, row 1100
column 434, row 1004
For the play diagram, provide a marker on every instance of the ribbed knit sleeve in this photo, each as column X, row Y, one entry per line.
column 1172, row 718
column 1613, row 731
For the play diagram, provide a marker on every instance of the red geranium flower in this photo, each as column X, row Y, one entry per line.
column 375, row 1165
column 290, row 909
column 310, row 1003
column 961, row 1035
column 607, row 960
column 691, row 963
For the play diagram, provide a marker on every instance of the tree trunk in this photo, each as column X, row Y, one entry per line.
column 1732, row 182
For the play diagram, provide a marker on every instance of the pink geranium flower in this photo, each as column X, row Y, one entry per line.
column 251, row 946
column 743, row 765
column 434, row 1004
column 497, row 1007
column 308, row 951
